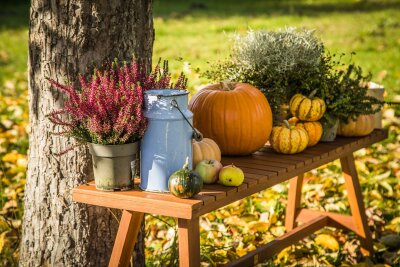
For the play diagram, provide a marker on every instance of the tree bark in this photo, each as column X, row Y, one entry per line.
column 67, row 38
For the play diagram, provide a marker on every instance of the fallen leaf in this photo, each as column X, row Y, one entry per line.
column 241, row 251
column 258, row 226
column 327, row 241
column 249, row 217
column 283, row 256
column 234, row 220
column 278, row 230
column 3, row 241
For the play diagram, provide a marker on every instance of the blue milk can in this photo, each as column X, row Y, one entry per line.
column 168, row 139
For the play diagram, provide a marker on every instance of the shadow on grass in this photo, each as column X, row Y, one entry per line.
column 223, row 8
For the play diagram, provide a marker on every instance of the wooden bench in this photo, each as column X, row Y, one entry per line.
column 263, row 169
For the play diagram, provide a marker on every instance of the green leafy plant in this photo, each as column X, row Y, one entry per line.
column 276, row 62
column 343, row 88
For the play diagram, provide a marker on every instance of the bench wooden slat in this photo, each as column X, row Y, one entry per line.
column 264, row 167
column 269, row 151
column 218, row 191
column 296, row 163
column 265, row 174
column 250, row 181
column 257, row 177
column 266, row 161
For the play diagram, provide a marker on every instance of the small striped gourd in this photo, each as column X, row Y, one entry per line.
column 313, row 128
column 185, row 183
column 307, row 108
column 288, row 139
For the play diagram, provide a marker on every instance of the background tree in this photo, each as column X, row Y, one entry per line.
column 67, row 38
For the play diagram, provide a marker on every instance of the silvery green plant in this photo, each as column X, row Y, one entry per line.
column 276, row 62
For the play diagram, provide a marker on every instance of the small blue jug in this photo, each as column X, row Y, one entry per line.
column 168, row 138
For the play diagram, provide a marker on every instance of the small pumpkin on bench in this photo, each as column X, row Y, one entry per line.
column 313, row 128
column 309, row 108
column 185, row 183
column 288, row 139
column 205, row 149
column 363, row 125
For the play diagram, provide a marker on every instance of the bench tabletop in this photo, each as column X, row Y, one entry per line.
column 262, row 169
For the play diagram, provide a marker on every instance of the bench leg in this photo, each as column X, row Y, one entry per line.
column 189, row 242
column 128, row 230
column 355, row 197
column 294, row 202
column 356, row 203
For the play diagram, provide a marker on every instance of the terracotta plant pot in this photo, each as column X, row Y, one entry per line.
column 113, row 165
column 329, row 134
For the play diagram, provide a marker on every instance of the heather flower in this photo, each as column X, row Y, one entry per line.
column 107, row 107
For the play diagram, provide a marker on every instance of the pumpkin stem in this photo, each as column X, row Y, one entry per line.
column 293, row 121
column 226, row 85
column 312, row 94
column 287, row 124
column 186, row 165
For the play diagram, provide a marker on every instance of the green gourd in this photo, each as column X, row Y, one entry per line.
column 185, row 183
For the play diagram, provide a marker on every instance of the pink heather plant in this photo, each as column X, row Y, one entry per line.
column 108, row 106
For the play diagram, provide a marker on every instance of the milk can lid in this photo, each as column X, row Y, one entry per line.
column 166, row 92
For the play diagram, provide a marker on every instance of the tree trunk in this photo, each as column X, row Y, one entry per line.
column 67, row 38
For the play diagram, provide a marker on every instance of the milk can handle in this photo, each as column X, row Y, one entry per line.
column 196, row 134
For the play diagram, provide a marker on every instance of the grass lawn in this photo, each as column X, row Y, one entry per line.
column 191, row 34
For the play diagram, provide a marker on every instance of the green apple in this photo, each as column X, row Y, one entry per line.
column 231, row 176
column 208, row 170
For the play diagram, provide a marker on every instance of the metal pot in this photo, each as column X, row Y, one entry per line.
column 113, row 165
column 329, row 134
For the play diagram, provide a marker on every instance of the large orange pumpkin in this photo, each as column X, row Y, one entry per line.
column 237, row 116
column 364, row 125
